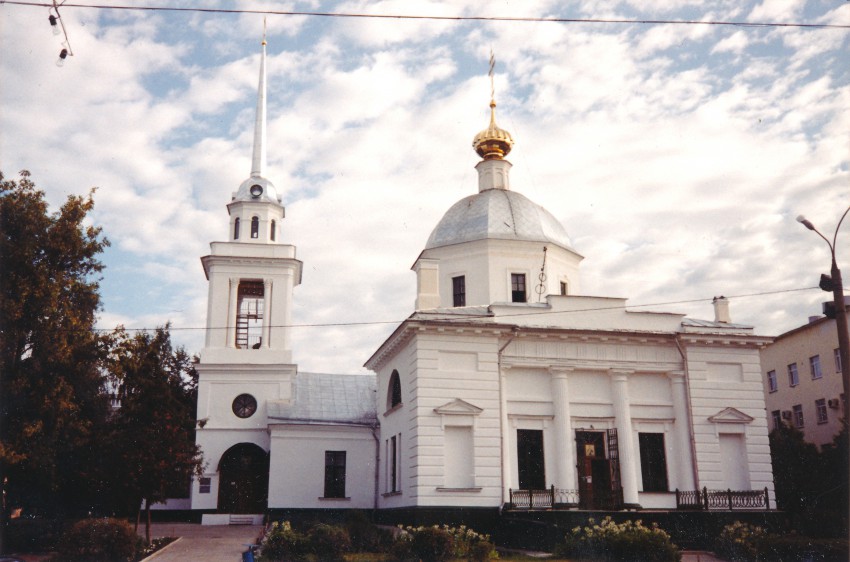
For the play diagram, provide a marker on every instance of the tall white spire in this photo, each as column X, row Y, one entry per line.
column 258, row 163
column 257, row 187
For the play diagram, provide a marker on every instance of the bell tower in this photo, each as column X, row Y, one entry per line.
column 246, row 362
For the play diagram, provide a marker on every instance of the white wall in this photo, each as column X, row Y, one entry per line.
column 297, row 466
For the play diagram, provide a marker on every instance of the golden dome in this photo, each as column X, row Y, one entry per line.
column 493, row 143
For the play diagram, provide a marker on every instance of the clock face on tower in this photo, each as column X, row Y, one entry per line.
column 244, row 405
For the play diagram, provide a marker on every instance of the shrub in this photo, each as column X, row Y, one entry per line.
column 610, row 541
column 739, row 542
column 24, row 534
column 366, row 536
column 482, row 551
column 99, row 540
column 328, row 542
column 282, row 543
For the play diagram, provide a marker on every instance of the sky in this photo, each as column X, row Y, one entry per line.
column 676, row 156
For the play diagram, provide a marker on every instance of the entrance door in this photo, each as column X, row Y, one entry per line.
column 593, row 472
column 243, row 479
column 530, row 461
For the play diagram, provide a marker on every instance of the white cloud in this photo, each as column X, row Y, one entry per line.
column 676, row 168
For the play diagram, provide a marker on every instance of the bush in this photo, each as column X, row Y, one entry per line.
column 283, row 544
column 25, row 534
column 328, row 542
column 739, row 542
column 482, row 551
column 366, row 536
column 99, row 540
column 613, row 542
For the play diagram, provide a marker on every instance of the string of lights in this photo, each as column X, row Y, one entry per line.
column 439, row 17
column 58, row 27
column 463, row 317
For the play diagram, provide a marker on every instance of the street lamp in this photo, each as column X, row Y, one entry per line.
column 833, row 283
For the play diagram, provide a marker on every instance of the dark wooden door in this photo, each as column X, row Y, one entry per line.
column 243, row 480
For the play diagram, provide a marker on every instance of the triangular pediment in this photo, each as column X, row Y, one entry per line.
column 730, row 415
column 458, row 407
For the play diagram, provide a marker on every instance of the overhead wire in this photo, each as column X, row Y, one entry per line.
column 458, row 317
column 529, row 19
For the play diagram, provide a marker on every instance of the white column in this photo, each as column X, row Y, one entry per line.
column 232, row 303
column 267, row 312
column 565, row 461
column 682, row 429
column 506, row 440
column 628, row 459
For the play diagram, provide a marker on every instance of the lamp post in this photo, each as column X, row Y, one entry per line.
column 833, row 283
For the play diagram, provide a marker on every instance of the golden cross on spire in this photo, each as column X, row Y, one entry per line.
column 492, row 68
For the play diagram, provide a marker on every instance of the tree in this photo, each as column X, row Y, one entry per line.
column 811, row 485
column 153, row 431
column 51, row 388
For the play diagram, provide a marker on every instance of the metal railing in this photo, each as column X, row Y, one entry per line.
column 532, row 499
column 550, row 498
column 706, row 499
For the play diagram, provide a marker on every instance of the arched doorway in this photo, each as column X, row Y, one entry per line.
column 243, row 479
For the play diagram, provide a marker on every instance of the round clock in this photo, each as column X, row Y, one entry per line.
column 244, row 405
column 256, row 190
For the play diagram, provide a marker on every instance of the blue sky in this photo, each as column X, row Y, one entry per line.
column 677, row 157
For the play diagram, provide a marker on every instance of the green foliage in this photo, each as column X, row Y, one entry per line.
column 24, row 534
column 282, row 543
column 365, row 535
column 152, row 433
column 99, row 540
column 739, row 542
column 610, row 541
column 811, row 485
column 328, row 542
column 438, row 543
column 50, row 354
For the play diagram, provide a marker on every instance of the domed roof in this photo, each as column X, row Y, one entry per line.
column 498, row 214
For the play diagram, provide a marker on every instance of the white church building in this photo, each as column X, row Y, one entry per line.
column 505, row 387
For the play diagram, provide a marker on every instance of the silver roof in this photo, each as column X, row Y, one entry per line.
column 499, row 214
column 326, row 398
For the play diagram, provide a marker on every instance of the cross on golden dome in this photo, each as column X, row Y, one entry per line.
column 493, row 143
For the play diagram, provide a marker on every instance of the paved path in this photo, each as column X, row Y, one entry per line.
column 209, row 543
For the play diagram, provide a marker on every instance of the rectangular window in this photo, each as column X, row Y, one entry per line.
column 459, row 457
column 530, row 462
column 793, row 377
column 820, row 410
column 772, row 385
column 814, row 363
column 563, row 287
column 798, row 416
column 518, row 287
column 392, row 465
column 204, row 485
column 459, row 290
column 653, row 462
column 334, row 474
column 777, row 419
column 837, row 353
column 249, row 315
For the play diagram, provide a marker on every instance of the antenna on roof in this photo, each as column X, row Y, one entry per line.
column 541, row 287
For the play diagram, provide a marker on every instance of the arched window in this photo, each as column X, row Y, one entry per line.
column 255, row 227
column 236, row 229
column 274, row 228
column 394, row 391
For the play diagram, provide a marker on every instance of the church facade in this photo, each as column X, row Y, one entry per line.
column 504, row 387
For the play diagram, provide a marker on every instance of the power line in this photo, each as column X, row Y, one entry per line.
column 459, row 317
column 440, row 18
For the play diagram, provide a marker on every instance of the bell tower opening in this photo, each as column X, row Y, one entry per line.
column 249, row 318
